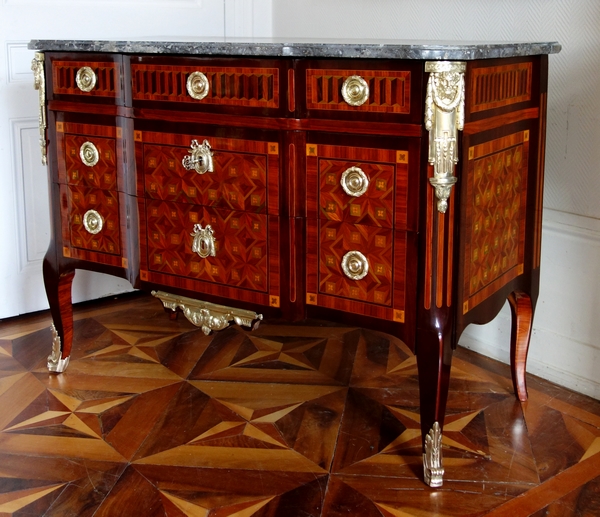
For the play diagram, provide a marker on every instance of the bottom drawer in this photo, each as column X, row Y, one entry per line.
column 357, row 268
column 93, row 220
column 238, row 240
column 355, row 261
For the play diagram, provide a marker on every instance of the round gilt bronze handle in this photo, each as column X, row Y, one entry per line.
column 85, row 79
column 355, row 265
column 355, row 90
column 197, row 85
column 93, row 222
column 89, row 154
column 354, row 181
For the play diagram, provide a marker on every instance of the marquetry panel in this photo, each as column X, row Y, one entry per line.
column 496, row 86
column 389, row 91
column 384, row 204
column 106, row 203
column 71, row 168
column 238, row 182
column 335, row 240
column 102, row 175
column 374, row 207
column 245, row 172
column 107, row 78
column 497, row 187
column 240, row 243
column 233, row 86
column 382, row 293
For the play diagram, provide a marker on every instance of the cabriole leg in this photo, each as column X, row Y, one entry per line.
column 522, row 319
column 58, row 291
column 434, row 356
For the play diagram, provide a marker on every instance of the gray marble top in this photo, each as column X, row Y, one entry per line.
column 366, row 49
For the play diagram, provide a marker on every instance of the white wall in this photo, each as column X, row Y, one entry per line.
column 565, row 346
column 24, row 210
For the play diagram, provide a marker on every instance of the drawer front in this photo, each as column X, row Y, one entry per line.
column 346, row 253
column 210, row 83
column 378, row 91
column 240, row 244
column 358, row 192
column 244, row 173
column 90, row 161
column 93, row 220
column 358, row 268
column 89, row 155
column 238, row 181
column 358, row 185
column 98, row 78
column 360, row 90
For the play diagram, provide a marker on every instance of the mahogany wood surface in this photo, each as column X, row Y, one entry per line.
column 282, row 136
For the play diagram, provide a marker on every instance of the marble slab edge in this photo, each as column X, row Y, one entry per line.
column 387, row 50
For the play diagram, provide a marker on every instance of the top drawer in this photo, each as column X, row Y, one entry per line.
column 94, row 78
column 382, row 91
column 208, row 84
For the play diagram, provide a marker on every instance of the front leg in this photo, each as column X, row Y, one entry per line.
column 434, row 357
column 58, row 290
column 522, row 319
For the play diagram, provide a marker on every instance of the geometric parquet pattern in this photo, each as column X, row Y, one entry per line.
column 153, row 418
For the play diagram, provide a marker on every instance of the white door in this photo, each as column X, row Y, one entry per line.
column 24, row 209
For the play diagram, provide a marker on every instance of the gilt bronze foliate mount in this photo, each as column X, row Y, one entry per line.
column 39, row 83
column 208, row 316
column 444, row 117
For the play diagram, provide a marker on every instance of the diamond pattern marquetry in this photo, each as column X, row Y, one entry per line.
column 241, row 257
column 103, row 175
column 497, row 183
column 239, row 180
column 375, row 207
column 292, row 420
column 376, row 244
column 106, row 203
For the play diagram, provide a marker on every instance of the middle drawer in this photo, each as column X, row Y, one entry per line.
column 230, row 173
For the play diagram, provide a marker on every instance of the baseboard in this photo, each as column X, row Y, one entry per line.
column 574, row 356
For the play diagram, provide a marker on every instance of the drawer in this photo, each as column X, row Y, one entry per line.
column 91, row 220
column 357, row 268
column 358, row 185
column 89, row 154
column 211, row 84
column 377, row 91
column 239, row 239
column 90, row 161
column 238, row 178
column 96, row 79
column 356, row 262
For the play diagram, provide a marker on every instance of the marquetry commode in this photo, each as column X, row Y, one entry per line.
column 388, row 185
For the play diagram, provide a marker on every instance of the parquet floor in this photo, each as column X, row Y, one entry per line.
column 152, row 418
